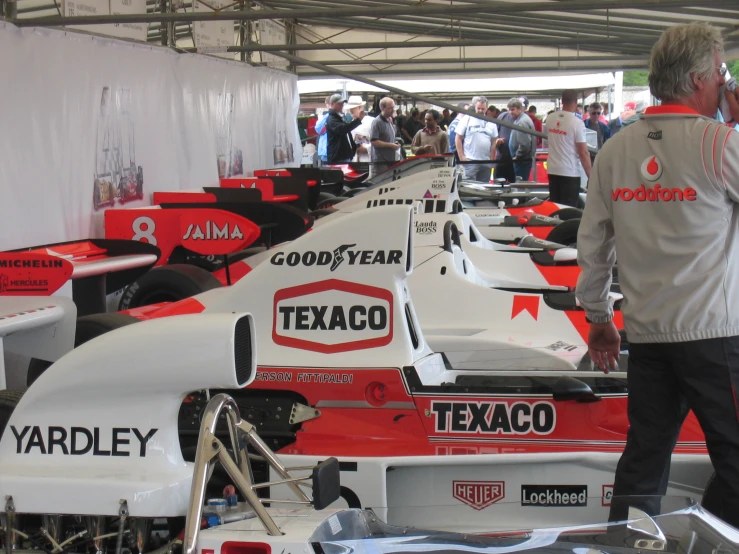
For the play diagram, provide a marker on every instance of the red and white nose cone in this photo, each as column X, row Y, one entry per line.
column 651, row 169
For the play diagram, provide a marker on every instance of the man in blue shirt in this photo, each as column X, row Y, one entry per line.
column 322, row 151
column 593, row 123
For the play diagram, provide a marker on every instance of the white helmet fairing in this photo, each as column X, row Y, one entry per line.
column 101, row 423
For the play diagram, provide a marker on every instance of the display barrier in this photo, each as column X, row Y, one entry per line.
column 90, row 123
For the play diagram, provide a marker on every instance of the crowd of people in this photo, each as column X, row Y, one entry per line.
column 348, row 132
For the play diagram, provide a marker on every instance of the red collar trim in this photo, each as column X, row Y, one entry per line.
column 666, row 109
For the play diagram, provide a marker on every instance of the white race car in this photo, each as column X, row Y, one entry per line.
column 345, row 369
column 91, row 461
column 438, row 191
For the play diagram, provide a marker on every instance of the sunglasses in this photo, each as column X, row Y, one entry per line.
column 595, row 113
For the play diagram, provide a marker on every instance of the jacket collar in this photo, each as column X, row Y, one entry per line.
column 670, row 109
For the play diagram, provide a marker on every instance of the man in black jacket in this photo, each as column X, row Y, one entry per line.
column 341, row 147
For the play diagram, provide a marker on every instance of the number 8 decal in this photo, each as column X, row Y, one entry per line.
column 143, row 228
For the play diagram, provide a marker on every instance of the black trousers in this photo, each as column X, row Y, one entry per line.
column 504, row 167
column 665, row 381
column 564, row 190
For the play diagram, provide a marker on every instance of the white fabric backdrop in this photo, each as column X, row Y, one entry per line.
column 182, row 112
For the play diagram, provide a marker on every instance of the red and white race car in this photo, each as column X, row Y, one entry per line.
column 346, row 369
column 438, row 190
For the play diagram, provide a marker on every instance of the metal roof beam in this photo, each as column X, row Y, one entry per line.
column 336, row 13
column 566, row 43
column 636, row 45
column 492, row 59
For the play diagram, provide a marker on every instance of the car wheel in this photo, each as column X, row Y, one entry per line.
column 565, row 233
column 8, row 401
column 87, row 328
column 566, row 214
column 168, row 283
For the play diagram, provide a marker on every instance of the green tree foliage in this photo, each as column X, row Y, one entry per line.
column 733, row 68
column 637, row 78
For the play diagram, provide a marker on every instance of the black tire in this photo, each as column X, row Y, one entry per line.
column 88, row 327
column 580, row 204
column 565, row 233
column 168, row 283
column 323, row 204
column 565, row 214
column 8, row 401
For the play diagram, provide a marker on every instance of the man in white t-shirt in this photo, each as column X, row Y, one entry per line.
column 355, row 106
column 567, row 150
column 475, row 140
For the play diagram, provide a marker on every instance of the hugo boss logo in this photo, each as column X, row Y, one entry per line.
column 494, row 418
column 78, row 441
column 338, row 256
column 425, row 227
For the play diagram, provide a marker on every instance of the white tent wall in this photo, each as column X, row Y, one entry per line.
column 79, row 110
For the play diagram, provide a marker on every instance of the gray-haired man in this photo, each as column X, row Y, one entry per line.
column 475, row 140
column 664, row 198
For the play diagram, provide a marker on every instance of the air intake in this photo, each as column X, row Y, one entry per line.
column 243, row 351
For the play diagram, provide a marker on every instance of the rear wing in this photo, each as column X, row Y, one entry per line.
column 295, row 191
column 202, row 229
column 436, row 189
column 412, row 166
column 35, row 326
column 98, row 267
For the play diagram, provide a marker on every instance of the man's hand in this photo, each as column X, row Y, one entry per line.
column 396, row 146
column 604, row 345
column 732, row 97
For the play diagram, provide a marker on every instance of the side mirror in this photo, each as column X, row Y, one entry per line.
column 569, row 388
column 326, row 483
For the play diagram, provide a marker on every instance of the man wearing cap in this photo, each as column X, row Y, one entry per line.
column 341, row 147
column 618, row 121
column 361, row 135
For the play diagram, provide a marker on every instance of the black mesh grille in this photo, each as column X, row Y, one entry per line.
column 242, row 350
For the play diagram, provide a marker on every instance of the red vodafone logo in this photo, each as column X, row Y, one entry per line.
column 332, row 316
column 651, row 169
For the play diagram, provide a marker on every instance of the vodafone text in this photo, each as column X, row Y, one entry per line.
column 654, row 194
column 318, row 318
column 496, row 418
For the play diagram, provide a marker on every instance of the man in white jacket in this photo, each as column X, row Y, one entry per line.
column 663, row 198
